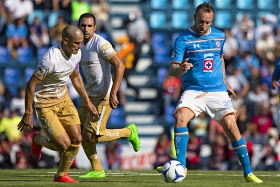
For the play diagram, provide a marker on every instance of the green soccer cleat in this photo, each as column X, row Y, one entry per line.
column 134, row 138
column 253, row 178
column 93, row 175
column 159, row 169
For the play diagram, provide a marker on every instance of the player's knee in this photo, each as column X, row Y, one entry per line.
column 76, row 140
column 63, row 146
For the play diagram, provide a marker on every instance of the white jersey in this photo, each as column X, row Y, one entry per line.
column 54, row 70
column 96, row 67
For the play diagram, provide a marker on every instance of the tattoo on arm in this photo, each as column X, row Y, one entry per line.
column 224, row 71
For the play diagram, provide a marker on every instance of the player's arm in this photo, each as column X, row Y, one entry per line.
column 26, row 121
column 118, row 75
column 275, row 75
column 177, row 69
column 78, row 84
column 229, row 88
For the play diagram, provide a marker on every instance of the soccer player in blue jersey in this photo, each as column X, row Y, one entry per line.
column 275, row 84
column 198, row 58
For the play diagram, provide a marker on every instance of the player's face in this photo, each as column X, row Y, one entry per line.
column 202, row 21
column 75, row 44
column 87, row 26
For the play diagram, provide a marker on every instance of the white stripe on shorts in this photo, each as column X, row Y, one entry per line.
column 99, row 121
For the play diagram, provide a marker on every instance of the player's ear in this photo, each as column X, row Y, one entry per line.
column 194, row 16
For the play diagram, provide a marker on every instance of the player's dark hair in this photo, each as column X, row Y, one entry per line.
column 87, row 15
column 206, row 6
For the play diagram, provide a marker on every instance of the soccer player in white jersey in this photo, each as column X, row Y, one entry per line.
column 98, row 56
column 198, row 58
column 47, row 95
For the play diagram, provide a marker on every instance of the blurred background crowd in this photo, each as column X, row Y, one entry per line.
column 145, row 35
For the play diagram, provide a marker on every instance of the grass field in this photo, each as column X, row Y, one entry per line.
column 141, row 178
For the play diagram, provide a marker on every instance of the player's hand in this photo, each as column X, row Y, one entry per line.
column 113, row 100
column 25, row 123
column 230, row 91
column 274, row 84
column 185, row 66
column 92, row 110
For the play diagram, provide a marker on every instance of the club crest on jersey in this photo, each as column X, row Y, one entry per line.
column 208, row 65
column 217, row 43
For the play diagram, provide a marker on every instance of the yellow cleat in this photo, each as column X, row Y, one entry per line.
column 253, row 178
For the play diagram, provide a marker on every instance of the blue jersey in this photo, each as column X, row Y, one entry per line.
column 276, row 72
column 204, row 53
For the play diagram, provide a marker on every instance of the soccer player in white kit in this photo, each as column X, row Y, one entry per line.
column 47, row 95
column 97, row 57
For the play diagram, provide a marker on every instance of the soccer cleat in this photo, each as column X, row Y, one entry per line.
column 93, row 174
column 64, row 178
column 35, row 149
column 253, row 178
column 159, row 170
column 134, row 138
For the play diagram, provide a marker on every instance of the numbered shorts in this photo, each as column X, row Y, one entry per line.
column 215, row 104
column 53, row 119
column 96, row 125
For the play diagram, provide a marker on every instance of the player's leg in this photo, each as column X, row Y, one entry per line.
column 220, row 108
column 69, row 118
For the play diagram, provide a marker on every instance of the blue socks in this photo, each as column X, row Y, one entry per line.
column 240, row 150
column 181, row 143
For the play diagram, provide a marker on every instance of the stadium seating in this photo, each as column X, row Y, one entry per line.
column 180, row 4
column 158, row 20
column 159, row 4
column 40, row 52
column 162, row 55
column 198, row 2
column 265, row 5
column 173, row 37
column 161, row 74
column 179, row 20
column 52, row 18
column 24, row 55
column 223, row 19
column 117, row 118
column 223, row 4
column 5, row 56
column 159, row 38
column 28, row 72
column 105, row 35
column 12, row 76
column 245, row 4
column 168, row 115
column 36, row 13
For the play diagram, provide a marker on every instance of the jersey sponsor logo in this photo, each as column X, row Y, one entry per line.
column 105, row 46
column 208, row 55
column 208, row 65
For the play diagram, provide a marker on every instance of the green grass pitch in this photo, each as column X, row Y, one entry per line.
column 137, row 178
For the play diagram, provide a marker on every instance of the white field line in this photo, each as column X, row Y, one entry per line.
column 117, row 174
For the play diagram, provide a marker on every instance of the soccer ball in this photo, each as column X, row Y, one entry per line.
column 173, row 171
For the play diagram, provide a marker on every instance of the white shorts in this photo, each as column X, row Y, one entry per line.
column 215, row 104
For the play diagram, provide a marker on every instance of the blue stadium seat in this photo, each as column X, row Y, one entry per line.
column 12, row 76
column 159, row 4
column 40, row 52
column 117, row 117
column 168, row 115
column 158, row 39
column 36, row 13
column 223, row 19
column 24, row 55
column 13, row 90
column 245, row 4
column 28, row 72
column 180, row 4
column 52, row 18
column 158, row 20
column 5, row 55
column 260, row 14
column 161, row 74
column 179, row 20
column 105, row 35
column 265, row 5
column 162, row 55
column 198, row 2
column 223, row 4
column 240, row 14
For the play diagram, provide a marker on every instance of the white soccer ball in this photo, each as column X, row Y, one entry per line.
column 173, row 171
